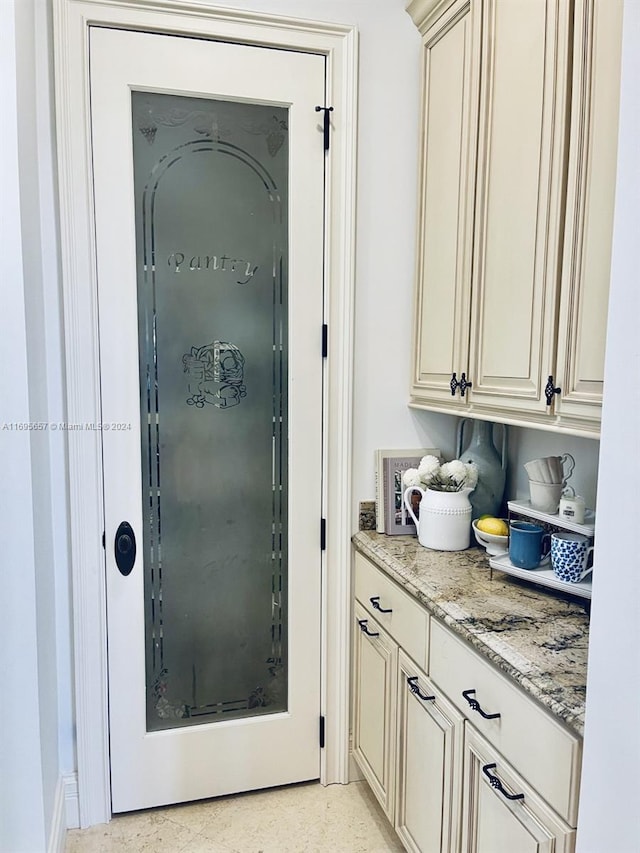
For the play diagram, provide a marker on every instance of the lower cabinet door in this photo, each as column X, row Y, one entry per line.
column 430, row 736
column 501, row 812
column 375, row 658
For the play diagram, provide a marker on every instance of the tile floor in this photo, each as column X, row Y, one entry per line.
column 306, row 818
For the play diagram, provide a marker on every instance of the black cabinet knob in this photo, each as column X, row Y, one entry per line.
column 125, row 548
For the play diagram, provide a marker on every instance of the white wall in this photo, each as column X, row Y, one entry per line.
column 36, row 725
column 609, row 814
column 22, row 746
column 388, row 139
column 51, row 394
column 526, row 444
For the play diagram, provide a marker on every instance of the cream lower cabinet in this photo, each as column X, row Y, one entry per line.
column 375, row 667
column 407, row 740
column 429, row 763
column 501, row 812
column 449, row 745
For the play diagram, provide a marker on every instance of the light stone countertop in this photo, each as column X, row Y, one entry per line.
column 539, row 637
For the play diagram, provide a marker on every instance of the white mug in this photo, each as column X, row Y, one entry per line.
column 546, row 496
column 572, row 508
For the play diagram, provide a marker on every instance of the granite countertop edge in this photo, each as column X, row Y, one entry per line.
column 453, row 616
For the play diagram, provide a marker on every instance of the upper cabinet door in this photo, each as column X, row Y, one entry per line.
column 519, row 201
column 590, row 200
column 449, row 122
column 519, row 142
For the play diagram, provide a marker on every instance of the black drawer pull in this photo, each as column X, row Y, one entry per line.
column 375, row 603
column 363, row 627
column 412, row 681
column 475, row 705
column 497, row 784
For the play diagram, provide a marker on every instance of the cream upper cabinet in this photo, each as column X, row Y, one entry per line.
column 589, row 214
column 516, row 205
column 450, row 103
column 519, row 194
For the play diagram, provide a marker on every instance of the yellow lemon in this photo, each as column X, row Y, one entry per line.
column 494, row 526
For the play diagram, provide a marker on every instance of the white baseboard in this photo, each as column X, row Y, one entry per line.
column 58, row 828
column 71, row 802
column 66, row 812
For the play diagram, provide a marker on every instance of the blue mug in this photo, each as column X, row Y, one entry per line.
column 528, row 544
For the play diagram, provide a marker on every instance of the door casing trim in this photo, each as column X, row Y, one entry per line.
column 339, row 44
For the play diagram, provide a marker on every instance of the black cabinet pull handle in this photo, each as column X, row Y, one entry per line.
column 475, row 705
column 412, row 681
column 363, row 627
column 124, row 547
column 550, row 390
column 453, row 384
column 375, row 603
column 497, row 784
column 464, row 384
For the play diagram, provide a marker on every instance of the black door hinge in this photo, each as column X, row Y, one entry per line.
column 325, row 340
column 321, row 732
column 104, row 541
column 327, row 124
column 323, row 534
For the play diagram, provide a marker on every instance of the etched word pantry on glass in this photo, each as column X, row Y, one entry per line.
column 211, row 207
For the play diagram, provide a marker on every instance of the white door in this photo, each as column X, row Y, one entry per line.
column 208, row 191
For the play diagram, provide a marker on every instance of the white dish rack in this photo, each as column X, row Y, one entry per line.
column 544, row 575
column 524, row 508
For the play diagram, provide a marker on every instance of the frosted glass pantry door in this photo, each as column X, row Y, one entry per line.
column 208, row 165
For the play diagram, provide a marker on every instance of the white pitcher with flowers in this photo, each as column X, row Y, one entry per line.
column 443, row 516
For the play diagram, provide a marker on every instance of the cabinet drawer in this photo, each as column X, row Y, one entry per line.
column 407, row 622
column 543, row 751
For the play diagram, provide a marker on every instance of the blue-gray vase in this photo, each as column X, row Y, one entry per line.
column 486, row 498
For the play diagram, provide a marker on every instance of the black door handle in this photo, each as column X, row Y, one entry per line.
column 412, row 681
column 125, row 548
column 363, row 627
column 497, row 784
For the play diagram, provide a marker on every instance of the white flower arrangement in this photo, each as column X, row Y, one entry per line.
column 446, row 477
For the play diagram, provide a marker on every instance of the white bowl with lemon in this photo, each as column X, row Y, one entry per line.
column 492, row 533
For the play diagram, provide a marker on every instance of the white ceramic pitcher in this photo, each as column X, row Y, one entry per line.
column 444, row 521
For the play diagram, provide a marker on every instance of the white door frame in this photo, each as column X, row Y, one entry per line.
column 72, row 19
